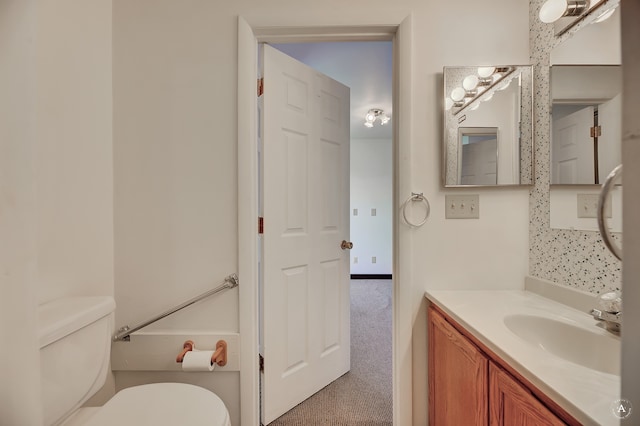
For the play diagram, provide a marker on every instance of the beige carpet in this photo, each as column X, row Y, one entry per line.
column 363, row 396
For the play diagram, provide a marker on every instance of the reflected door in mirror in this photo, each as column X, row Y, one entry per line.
column 585, row 123
column 479, row 155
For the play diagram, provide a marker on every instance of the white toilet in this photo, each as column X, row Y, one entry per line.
column 75, row 349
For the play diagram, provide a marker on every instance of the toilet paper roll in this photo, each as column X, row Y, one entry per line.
column 196, row 360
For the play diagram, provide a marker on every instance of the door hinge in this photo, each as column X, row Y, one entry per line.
column 260, row 225
column 595, row 131
column 261, row 362
column 260, row 86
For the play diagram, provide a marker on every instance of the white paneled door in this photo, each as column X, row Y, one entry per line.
column 572, row 152
column 610, row 141
column 305, row 188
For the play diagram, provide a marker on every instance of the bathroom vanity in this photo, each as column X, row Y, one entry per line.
column 514, row 357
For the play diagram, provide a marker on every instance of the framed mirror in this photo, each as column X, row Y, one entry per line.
column 585, row 80
column 585, row 86
column 488, row 127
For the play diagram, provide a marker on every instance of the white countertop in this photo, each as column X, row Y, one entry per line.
column 587, row 394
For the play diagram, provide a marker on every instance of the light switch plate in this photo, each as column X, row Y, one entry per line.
column 588, row 206
column 462, row 206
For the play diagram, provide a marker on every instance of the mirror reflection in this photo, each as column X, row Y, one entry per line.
column 585, row 75
column 585, row 87
column 478, row 156
column 488, row 126
column 585, row 127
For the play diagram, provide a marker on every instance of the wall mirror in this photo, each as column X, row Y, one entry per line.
column 488, row 128
column 585, row 85
column 586, row 82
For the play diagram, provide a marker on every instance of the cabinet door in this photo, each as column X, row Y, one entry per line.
column 458, row 377
column 511, row 404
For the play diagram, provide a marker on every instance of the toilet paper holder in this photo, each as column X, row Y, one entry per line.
column 219, row 355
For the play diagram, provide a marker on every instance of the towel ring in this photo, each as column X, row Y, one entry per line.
column 416, row 197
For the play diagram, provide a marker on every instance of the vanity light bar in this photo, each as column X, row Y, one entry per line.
column 473, row 95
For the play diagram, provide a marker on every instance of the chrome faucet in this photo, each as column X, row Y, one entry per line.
column 612, row 320
column 609, row 310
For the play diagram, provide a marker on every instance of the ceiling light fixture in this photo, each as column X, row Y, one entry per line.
column 375, row 114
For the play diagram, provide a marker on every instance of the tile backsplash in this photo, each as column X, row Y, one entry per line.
column 577, row 259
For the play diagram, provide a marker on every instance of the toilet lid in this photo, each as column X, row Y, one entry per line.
column 163, row 404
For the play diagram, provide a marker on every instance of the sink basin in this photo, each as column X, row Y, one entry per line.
column 592, row 349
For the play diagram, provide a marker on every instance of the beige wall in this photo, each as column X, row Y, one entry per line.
column 74, row 153
column 19, row 389
column 56, row 209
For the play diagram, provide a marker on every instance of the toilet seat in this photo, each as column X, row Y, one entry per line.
column 162, row 404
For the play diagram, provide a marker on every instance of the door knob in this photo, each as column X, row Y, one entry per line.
column 346, row 245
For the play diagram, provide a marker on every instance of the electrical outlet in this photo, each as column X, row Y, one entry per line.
column 355, row 259
column 355, row 212
column 373, row 259
column 373, row 212
column 588, row 206
column 462, row 206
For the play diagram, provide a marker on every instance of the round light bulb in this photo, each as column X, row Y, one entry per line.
column 503, row 85
column 474, row 106
column 552, row 10
column 448, row 104
column 458, row 94
column 368, row 124
column 488, row 97
column 485, row 72
column 470, row 82
column 605, row 15
column 370, row 117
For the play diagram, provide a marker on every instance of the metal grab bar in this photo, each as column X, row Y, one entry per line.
column 123, row 332
column 602, row 200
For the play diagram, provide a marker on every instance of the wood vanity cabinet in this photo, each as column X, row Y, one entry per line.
column 468, row 385
column 458, row 377
column 510, row 403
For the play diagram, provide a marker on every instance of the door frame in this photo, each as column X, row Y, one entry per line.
column 249, row 35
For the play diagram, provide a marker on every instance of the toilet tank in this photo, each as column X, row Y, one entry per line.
column 75, row 346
